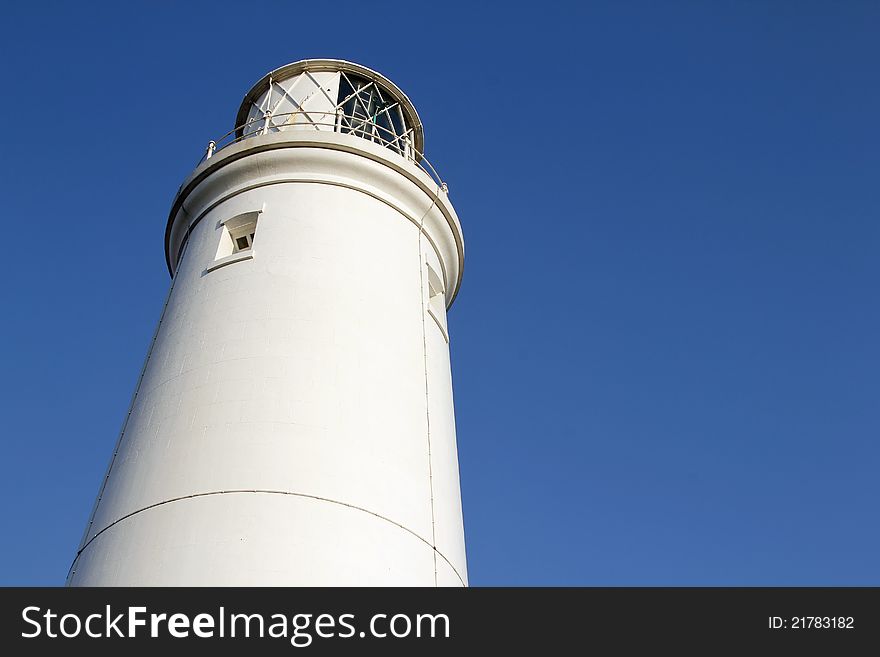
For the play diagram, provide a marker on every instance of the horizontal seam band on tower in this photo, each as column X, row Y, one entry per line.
column 267, row 492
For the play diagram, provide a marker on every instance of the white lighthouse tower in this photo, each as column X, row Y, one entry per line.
column 293, row 423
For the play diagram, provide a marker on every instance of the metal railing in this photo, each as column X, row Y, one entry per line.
column 359, row 126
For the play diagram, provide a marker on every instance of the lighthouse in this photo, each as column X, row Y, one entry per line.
column 293, row 423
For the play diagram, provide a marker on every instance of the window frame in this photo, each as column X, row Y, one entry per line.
column 244, row 225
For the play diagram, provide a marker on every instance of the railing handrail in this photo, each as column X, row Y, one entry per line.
column 362, row 125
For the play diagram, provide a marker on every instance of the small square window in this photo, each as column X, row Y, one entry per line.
column 237, row 235
column 437, row 300
column 242, row 232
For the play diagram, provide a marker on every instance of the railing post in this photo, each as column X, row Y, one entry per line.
column 210, row 150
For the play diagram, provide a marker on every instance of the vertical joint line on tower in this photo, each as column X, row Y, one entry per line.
column 424, row 310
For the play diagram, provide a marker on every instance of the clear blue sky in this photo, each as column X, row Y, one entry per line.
column 666, row 350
